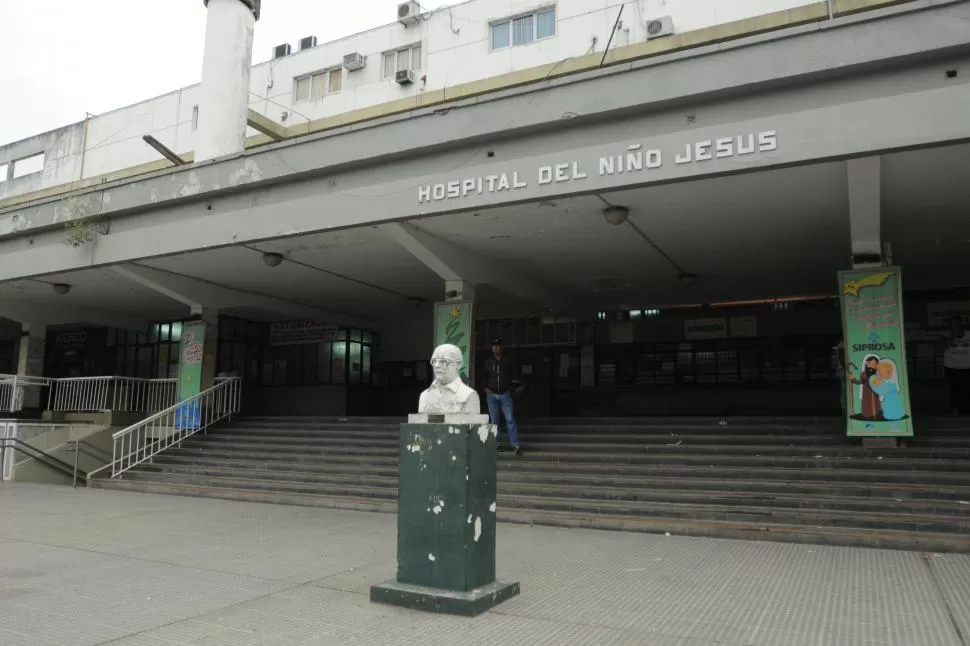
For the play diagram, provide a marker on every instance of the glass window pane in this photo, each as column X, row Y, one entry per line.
column 355, row 334
column 523, row 30
column 338, row 362
column 416, row 62
column 500, row 35
column 144, row 367
column 336, row 80
column 319, row 87
column 302, row 92
column 323, row 363
column 404, row 60
column 309, row 363
column 389, row 65
column 546, row 23
column 354, row 363
column 173, row 360
column 176, row 331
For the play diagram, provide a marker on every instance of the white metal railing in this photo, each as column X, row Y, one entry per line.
column 151, row 436
column 12, row 389
column 88, row 394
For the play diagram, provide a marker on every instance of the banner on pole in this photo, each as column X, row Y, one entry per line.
column 877, row 384
column 453, row 324
column 188, row 416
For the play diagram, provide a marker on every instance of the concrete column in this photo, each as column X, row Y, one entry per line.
column 224, row 91
column 30, row 359
column 865, row 211
column 454, row 323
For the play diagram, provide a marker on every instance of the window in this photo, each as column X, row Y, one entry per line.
column 3, row 172
column 522, row 30
column 408, row 58
column 316, row 86
column 195, row 118
column 28, row 165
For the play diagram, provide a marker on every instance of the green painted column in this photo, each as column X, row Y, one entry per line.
column 446, row 520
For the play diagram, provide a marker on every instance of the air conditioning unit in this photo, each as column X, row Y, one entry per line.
column 354, row 62
column 308, row 42
column 282, row 50
column 408, row 13
column 404, row 77
column 660, row 27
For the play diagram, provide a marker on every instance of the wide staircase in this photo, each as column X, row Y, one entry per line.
column 795, row 479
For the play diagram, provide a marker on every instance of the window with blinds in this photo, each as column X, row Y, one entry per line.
column 317, row 85
column 524, row 29
column 407, row 58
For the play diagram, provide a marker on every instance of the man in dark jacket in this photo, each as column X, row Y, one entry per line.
column 501, row 379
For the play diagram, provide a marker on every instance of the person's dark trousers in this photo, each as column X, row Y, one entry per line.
column 959, row 385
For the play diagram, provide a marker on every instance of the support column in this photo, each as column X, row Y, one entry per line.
column 877, row 384
column 197, row 362
column 224, row 91
column 454, row 323
column 30, row 360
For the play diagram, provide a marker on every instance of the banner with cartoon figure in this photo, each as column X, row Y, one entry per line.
column 187, row 416
column 877, row 387
column 453, row 324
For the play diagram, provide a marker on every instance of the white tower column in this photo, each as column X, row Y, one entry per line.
column 224, row 92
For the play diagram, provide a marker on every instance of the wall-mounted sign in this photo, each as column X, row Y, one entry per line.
column 301, row 331
column 636, row 158
column 939, row 314
column 71, row 338
column 744, row 327
column 700, row 329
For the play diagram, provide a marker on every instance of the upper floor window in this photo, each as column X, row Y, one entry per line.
column 524, row 29
column 316, row 86
column 407, row 58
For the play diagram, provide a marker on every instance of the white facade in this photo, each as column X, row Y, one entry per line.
column 444, row 48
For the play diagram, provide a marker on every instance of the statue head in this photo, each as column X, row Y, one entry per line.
column 446, row 363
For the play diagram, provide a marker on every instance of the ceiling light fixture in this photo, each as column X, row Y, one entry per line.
column 687, row 279
column 616, row 215
column 61, row 288
column 272, row 259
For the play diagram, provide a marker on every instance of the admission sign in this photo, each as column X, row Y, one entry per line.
column 877, row 386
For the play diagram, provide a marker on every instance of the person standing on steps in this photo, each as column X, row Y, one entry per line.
column 501, row 379
column 956, row 363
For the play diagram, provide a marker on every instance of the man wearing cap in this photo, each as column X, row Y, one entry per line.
column 501, row 378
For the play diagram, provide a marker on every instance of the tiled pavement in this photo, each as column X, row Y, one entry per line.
column 84, row 567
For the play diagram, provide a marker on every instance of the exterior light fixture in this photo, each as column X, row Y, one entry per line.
column 687, row 279
column 61, row 288
column 272, row 259
column 616, row 215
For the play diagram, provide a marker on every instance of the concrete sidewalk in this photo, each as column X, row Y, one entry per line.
column 83, row 567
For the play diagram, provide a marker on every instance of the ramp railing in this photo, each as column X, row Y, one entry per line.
column 12, row 390
column 128, row 394
column 169, row 427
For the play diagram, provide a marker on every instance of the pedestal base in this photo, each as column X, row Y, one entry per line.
column 452, row 602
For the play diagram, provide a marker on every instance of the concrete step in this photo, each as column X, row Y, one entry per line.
column 784, row 445
column 757, row 530
column 673, row 455
column 371, row 474
column 630, row 491
column 589, row 464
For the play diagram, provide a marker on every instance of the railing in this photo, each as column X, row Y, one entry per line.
column 12, row 390
column 149, row 437
column 91, row 394
column 15, row 445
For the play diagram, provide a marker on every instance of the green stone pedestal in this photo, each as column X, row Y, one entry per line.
column 446, row 521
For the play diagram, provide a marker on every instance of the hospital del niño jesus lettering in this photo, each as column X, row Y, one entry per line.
column 634, row 159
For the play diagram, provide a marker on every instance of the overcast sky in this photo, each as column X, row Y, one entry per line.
column 62, row 58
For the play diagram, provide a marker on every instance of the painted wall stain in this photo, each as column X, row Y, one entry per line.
column 483, row 433
column 250, row 172
column 431, row 557
column 478, row 528
column 491, row 508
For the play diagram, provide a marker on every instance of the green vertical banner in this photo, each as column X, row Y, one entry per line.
column 190, row 374
column 877, row 385
column 453, row 324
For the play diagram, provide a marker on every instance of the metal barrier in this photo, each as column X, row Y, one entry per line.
column 149, row 437
column 90, row 394
column 12, row 390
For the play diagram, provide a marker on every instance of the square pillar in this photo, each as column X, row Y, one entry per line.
column 446, row 518
column 197, row 363
column 30, row 360
column 454, row 324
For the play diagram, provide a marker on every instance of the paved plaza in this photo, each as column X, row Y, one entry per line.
column 84, row 567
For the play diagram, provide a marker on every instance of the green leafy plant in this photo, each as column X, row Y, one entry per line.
column 81, row 229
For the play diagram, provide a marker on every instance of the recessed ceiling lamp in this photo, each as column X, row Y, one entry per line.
column 272, row 259
column 61, row 288
column 616, row 215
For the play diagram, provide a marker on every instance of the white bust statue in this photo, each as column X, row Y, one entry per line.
column 448, row 393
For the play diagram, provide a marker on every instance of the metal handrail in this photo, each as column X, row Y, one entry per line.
column 43, row 457
column 79, row 447
column 110, row 392
column 149, row 437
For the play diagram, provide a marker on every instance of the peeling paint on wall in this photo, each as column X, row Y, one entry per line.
column 250, row 172
column 478, row 528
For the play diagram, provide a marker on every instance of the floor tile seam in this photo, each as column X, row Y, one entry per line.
column 138, row 559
